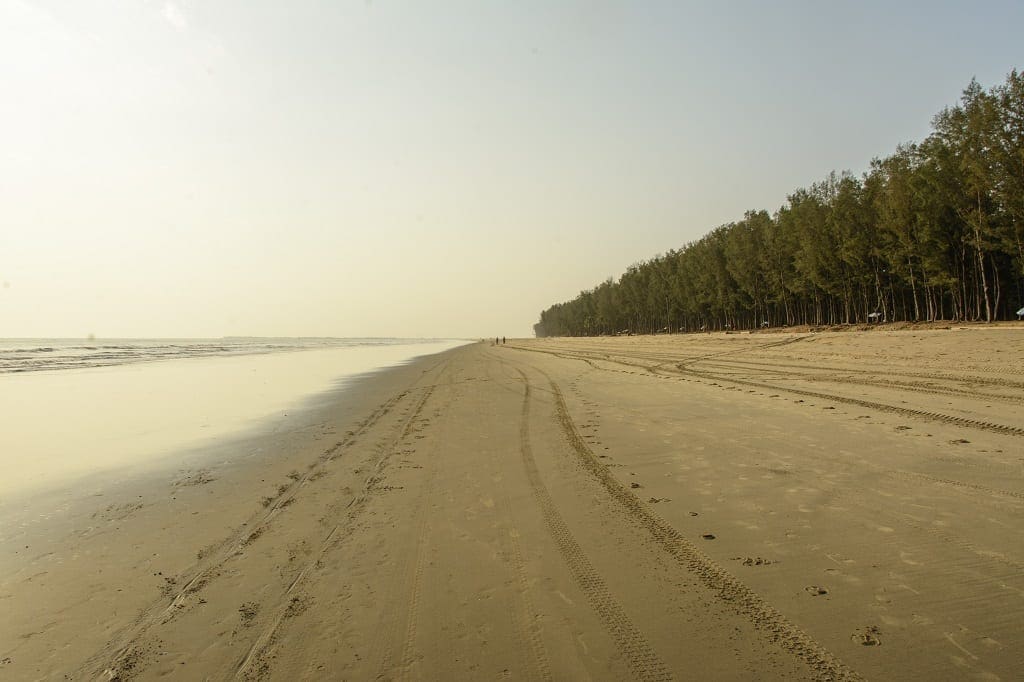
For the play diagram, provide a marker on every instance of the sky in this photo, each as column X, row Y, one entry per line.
column 194, row 168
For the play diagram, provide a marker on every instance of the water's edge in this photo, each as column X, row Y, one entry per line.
column 63, row 428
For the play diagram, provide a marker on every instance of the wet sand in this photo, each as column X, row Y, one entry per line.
column 125, row 417
column 729, row 506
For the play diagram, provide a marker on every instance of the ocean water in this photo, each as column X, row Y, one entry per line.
column 72, row 409
column 35, row 355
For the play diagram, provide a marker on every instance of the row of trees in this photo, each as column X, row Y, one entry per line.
column 935, row 231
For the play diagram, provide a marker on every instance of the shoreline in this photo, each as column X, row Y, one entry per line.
column 78, row 427
column 187, row 465
column 803, row 506
column 211, row 491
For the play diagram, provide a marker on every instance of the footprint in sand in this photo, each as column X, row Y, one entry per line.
column 868, row 636
column 708, row 536
column 248, row 612
column 752, row 561
column 815, row 590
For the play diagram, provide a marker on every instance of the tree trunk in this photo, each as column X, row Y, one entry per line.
column 981, row 259
column 997, row 289
column 913, row 289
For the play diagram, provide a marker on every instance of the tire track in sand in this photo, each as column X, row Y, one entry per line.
column 397, row 626
column 256, row 661
column 746, row 602
column 974, row 487
column 842, row 376
column 123, row 656
column 682, row 369
column 412, row 607
column 524, row 615
column 642, row 660
column 871, row 405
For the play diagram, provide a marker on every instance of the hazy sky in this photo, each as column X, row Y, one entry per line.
column 195, row 168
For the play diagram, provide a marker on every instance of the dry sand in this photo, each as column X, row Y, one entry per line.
column 733, row 506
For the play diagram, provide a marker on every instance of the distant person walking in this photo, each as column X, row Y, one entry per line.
column 503, row 340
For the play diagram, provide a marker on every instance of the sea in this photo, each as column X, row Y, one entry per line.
column 38, row 355
column 74, row 409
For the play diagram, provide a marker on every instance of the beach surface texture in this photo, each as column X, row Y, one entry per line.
column 790, row 506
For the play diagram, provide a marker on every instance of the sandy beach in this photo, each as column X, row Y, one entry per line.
column 722, row 506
